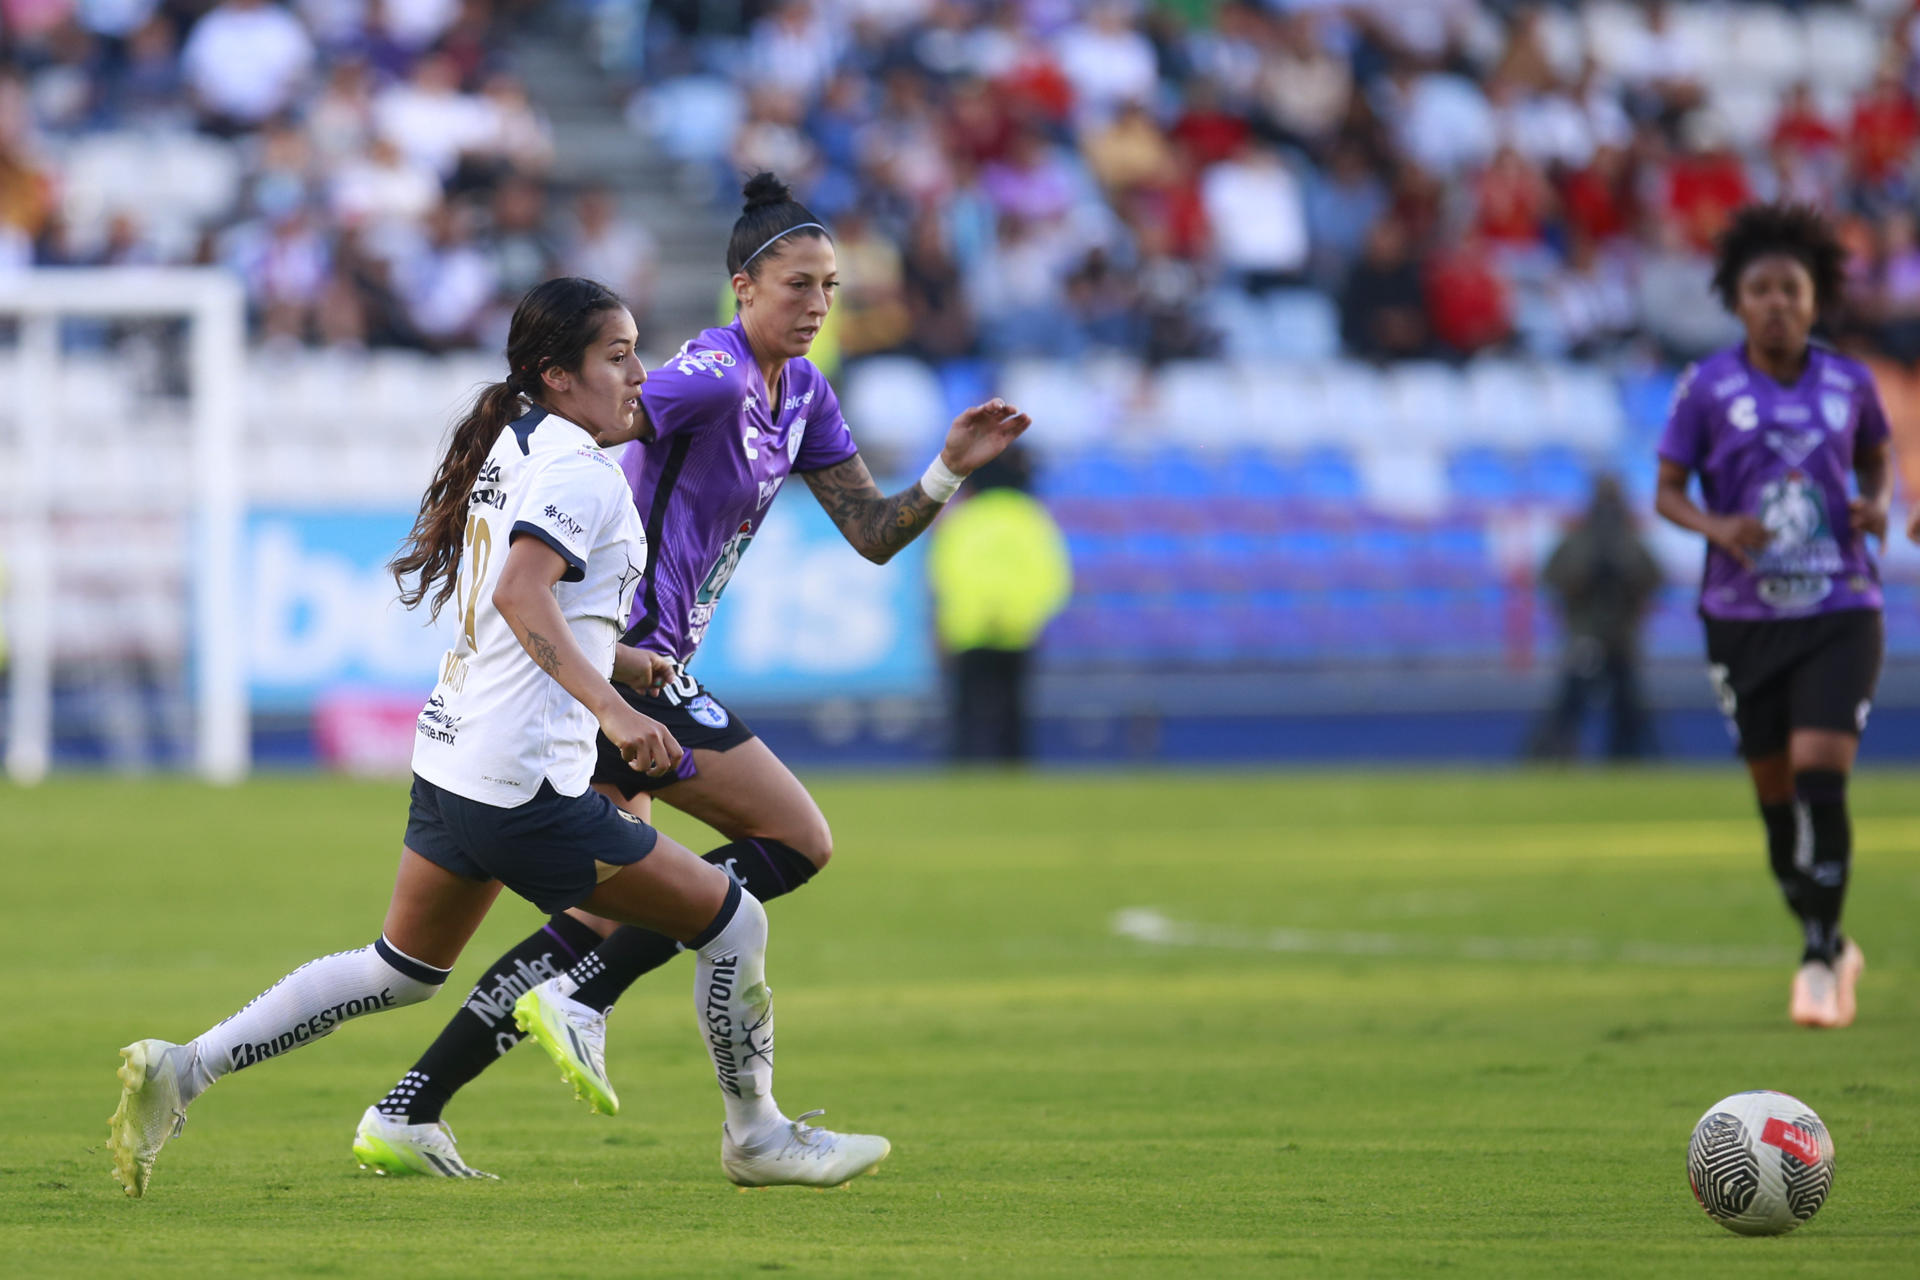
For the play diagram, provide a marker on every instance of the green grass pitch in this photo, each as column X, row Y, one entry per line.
column 1356, row 1025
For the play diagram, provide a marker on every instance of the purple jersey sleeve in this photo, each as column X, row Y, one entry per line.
column 687, row 391
column 1684, row 441
column 827, row 442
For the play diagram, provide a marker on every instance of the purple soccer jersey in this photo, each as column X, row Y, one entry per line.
column 720, row 452
column 1785, row 456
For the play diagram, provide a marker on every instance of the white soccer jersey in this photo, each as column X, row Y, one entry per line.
column 497, row 724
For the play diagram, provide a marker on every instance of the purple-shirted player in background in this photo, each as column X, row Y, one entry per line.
column 1790, row 597
column 732, row 415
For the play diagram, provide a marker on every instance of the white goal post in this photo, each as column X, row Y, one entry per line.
column 213, row 305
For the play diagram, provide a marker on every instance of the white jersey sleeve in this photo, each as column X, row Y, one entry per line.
column 497, row 726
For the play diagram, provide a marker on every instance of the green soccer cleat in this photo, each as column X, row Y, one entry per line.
column 151, row 1109
column 803, row 1156
column 575, row 1037
column 392, row 1147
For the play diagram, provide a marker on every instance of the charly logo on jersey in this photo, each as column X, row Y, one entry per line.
column 1743, row 413
column 1837, row 410
column 708, row 712
column 706, row 360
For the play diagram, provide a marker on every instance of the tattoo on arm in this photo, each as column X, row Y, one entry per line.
column 876, row 525
column 545, row 656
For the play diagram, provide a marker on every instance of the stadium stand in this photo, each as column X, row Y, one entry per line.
column 1272, row 440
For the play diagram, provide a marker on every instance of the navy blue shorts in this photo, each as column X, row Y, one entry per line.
column 695, row 718
column 548, row 850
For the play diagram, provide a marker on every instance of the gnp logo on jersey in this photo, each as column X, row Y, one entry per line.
column 707, row 712
column 1836, row 409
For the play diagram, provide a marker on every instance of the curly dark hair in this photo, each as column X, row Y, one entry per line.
column 1796, row 230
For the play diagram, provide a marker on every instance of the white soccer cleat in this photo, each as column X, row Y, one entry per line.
column 151, row 1109
column 1847, row 968
column 803, row 1156
column 393, row 1147
column 575, row 1037
column 1816, row 996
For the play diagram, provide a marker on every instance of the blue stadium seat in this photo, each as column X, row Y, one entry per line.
column 1645, row 398
column 1456, row 555
column 1560, row 476
column 1183, row 473
column 1328, row 476
column 1381, row 556
column 1481, row 476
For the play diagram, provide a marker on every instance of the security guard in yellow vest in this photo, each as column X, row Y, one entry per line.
column 999, row 572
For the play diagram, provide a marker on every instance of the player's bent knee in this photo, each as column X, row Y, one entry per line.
column 813, row 841
column 412, row 981
column 599, row 924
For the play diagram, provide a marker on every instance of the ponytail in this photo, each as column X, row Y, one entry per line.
column 432, row 549
column 550, row 329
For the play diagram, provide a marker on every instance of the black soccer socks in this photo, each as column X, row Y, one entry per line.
column 1827, row 837
column 483, row 1028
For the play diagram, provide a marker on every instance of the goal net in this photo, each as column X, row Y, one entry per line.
column 121, row 495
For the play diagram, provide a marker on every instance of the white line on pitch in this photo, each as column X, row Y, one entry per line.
column 1144, row 924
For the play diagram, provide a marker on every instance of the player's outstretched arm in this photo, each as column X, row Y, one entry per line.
column 524, row 597
column 878, row 526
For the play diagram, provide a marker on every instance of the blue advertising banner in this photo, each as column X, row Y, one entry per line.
column 804, row 618
column 320, row 613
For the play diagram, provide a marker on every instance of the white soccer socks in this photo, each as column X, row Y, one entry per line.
column 735, row 1009
column 309, row 1003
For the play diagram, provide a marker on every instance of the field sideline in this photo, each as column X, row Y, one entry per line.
column 1311, row 1024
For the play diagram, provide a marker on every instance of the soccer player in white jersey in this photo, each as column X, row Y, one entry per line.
column 731, row 418
column 529, row 530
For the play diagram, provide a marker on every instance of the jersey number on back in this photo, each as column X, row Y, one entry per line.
column 476, row 552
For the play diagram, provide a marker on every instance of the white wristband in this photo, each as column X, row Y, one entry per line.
column 939, row 482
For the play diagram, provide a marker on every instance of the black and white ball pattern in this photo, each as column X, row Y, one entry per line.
column 1760, row 1163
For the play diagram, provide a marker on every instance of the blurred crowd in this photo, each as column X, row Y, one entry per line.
column 1456, row 176
column 1186, row 178
column 372, row 169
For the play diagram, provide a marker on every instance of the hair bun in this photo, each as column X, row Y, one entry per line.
column 763, row 189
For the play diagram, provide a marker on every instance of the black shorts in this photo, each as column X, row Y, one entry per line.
column 1797, row 673
column 553, row 850
column 693, row 716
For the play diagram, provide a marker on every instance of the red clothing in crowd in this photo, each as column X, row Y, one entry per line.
column 1513, row 201
column 1466, row 299
column 1803, row 129
column 1598, row 205
column 1209, row 135
column 1702, row 193
column 1037, row 83
column 1885, row 127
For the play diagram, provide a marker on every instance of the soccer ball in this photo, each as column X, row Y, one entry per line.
column 1761, row 1163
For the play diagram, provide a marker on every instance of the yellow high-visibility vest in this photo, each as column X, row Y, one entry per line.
column 999, row 572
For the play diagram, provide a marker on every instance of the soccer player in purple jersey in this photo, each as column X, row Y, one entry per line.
column 728, row 419
column 1775, row 428
column 528, row 530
